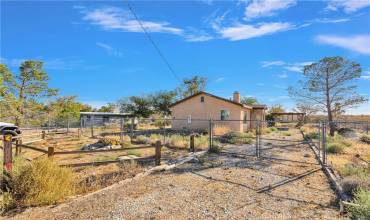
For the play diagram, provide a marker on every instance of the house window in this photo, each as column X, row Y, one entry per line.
column 245, row 118
column 225, row 115
column 189, row 119
column 202, row 99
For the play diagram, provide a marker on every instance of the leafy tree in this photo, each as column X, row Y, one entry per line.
column 249, row 101
column 138, row 106
column 329, row 84
column 29, row 86
column 66, row 109
column 192, row 86
column 161, row 102
column 110, row 107
column 276, row 109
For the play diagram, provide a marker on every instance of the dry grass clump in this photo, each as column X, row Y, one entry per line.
column 201, row 142
column 221, row 130
column 365, row 139
column 116, row 140
column 40, row 182
column 127, row 169
column 178, row 141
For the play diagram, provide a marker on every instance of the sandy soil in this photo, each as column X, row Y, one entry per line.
column 229, row 185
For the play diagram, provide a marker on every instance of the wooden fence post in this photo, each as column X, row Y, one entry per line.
column 8, row 157
column 79, row 133
column 192, row 147
column 43, row 135
column 158, row 153
column 50, row 151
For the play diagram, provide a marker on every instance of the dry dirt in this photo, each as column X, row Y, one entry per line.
column 229, row 185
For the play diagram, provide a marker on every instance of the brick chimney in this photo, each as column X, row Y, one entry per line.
column 236, row 97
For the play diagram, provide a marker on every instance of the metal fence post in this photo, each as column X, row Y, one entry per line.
column 43, row 135
column 324, row 142
column 8, row 156
column 92, row 125
column 257, row 139
column 132, row 128
column 210, row 134
column 319, row 137
column 121, row 130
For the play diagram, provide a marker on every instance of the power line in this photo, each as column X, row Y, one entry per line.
column 153, row 42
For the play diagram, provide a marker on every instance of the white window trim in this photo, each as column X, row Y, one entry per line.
column 189, row 119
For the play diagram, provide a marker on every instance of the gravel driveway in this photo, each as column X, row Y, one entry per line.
column 286, row 183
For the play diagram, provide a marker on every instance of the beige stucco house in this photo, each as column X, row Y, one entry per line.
column 195, row 111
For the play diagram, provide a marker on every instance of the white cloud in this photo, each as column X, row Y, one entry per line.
column 283, row 75
column 366, row 75
column 263, row 8
column 294, row 67
column 196, row 35
column 110, row 50
column 54, row 64
column 357, row 43
column 220, row 79
column 246, row 31
column 297, row 67
column 113, row 18
column 348, row 6
column 272, row 63
column 331, row 20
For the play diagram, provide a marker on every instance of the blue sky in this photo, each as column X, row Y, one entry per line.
column 96, row 49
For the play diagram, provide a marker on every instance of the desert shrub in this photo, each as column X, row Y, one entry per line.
column 142, row 139
column 237, row 138
column 40, row 182
column 273, row 129
column 216, row 148
column 335, row 148
column 221, row 130
column 160, row 123
column 365, row 139
column 361, row 209
column 178, row 141
column 286, row 133
column 352, row 170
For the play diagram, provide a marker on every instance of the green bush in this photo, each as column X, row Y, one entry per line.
column 335, row 148
column 312, row 135
column 40, row 182
column 237, row 138
column 365, row 139
column 352, row 170
column 361, row 207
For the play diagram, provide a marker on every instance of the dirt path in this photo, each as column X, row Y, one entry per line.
column 231, row 185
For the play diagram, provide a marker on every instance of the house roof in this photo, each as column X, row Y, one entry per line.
column 288, row 113
column 220, row 98
column 109, row 114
